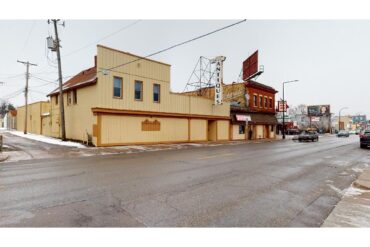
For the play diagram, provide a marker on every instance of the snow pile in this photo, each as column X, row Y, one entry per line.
column 46, row 139
column 352, row 191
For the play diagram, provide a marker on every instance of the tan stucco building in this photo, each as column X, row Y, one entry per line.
column 126, row 99
column 37, row 118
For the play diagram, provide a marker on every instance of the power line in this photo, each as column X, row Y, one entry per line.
column 41, row 79
column 179, row 44
column 103, row 38
column 29, row 34
column 13, row 94
column 12, row 76
column 171, row 47
column 35, row 91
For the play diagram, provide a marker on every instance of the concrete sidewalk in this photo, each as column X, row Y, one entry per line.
column 18, row 148
column 354, row 208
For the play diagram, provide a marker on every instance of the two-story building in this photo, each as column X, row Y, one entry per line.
column 252, row 109
column 126, row 99
column 261, row 110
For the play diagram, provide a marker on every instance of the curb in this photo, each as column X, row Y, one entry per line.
column 361, row 185
column 3, row 157
column 363, row 181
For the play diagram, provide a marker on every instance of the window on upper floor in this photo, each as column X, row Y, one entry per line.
column 265, row 102
column 56, row 99
column 156, row 93
column 138, row 90
column 117, row 87
column 69, row 97
column 74, row 96
column 261, row 101
column 270, row 103
column 255, row 100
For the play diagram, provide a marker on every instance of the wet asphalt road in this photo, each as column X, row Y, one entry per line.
column 281, row 183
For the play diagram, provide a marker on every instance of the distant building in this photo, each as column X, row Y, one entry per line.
column 10, row 120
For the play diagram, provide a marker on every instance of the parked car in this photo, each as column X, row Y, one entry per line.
column 292, row 131
column 343, row 133
column 365, row 139
column 352, row 132
column 358, row 131
column 308, row 136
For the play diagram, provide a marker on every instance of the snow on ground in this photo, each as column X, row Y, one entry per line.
column 353, row 191
column 46, row 139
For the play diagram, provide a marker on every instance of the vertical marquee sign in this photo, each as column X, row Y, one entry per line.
column 218, row 85
column 219, row 78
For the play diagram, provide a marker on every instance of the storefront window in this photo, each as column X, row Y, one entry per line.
column 241, row 129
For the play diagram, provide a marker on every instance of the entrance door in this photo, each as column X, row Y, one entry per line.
column 212, row 130
column 267, row 131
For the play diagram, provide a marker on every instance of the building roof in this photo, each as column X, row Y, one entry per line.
column 258, row 85
column 84, row 78
column 13, row 113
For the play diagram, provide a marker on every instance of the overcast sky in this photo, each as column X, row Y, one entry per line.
column 329, row 58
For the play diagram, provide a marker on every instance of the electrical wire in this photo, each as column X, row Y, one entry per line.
column 179, row 44
column 12, row 76
column 41, row 79
column 169, row 48
column 29, row 34
column 101, row 39
column 13, row 94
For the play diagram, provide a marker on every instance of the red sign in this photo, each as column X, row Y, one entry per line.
column 282, row 107
column 250, row 66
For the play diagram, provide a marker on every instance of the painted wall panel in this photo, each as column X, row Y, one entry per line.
column 198, row 130
column 222, row 130
column 127, row 129
column 259, row 131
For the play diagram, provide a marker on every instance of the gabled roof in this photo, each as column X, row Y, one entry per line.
column 84, row 78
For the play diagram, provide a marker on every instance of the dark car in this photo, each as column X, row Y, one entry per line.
column 365, row 139
column 292, row 131
column 343, row 133
column 308, row 136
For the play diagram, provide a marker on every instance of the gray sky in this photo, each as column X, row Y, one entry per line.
column 330, row 58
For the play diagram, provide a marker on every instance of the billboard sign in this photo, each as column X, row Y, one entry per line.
column 318, row 110
column 250, row 66
column 359, row 119
column 282, row 107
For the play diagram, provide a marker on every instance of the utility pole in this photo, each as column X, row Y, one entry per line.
column 284, row 105
column 61, row 101
column 26, row 92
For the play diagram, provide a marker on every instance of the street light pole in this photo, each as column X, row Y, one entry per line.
column 339, row 117
column 284, row 105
